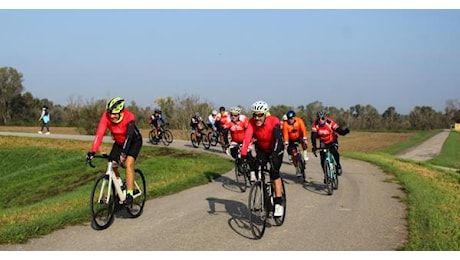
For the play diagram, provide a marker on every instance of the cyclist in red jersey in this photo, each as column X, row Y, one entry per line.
column 325, row 130
column 237, row 127
column 127, row 140
column 269, row 146
column 222, row 118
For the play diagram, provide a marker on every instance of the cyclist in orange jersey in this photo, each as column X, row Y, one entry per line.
column 294, row 130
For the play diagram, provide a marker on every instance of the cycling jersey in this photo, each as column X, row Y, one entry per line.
column 222, row 119
column 268, row 136
column 197, row 123
column 237, row 129
column 295, row 131
column 122, row 132
column 326, row 132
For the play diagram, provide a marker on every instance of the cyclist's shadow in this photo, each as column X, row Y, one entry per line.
column 238, row 212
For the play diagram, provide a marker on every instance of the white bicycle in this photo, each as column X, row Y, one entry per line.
column 107, row 196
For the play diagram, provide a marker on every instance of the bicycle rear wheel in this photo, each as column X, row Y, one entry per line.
column 241, row 173
column 139, row 195
column 102, row 208
column 152, row 138
column 257, row 210
column 327, row 175
column 301, row 165
column 280, row 220
column 194, row 140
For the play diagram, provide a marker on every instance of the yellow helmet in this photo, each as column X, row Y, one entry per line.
column 115, row 105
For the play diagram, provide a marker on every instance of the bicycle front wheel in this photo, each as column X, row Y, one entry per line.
column 335, row 181
column 280, row 220
column 139, row 195
column 301, row 166
column 167, row 136
column 327, row 176
column 102, row 203
column 205, row 141
column 212, row 138
column 257, row 210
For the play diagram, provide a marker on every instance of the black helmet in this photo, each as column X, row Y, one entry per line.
column 221, row 109
column 290, row 114
column 157, row 111
column 321, row 114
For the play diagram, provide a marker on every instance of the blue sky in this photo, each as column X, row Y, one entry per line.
column 401, row 58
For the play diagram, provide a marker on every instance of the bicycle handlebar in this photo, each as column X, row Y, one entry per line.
column 102, row 155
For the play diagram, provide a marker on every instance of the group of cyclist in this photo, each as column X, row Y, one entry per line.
column 270, row 136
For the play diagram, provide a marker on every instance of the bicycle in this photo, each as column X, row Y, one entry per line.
column 213, row 137
column 164, row 134
column 260, row 204
column 108, row 196
column 331, row 178
column 201, row 137
column 242, row 171
column 298, row 161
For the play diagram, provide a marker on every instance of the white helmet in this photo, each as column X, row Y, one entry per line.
column 235, row 110
column 260, row 106
column 284, row 117
column 214, row 112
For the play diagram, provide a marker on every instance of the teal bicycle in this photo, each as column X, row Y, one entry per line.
column 331, row 177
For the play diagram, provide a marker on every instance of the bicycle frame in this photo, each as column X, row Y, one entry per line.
column 261, row 204
column 330, row 170
column 112, row 180
column 107, row 196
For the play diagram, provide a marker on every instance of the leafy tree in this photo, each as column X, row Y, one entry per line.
column 10, row 88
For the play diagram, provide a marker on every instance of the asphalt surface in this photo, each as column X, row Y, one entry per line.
column 362, row 215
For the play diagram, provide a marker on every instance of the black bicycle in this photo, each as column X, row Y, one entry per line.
column 261, row 206
column 164, row 134
column 200, row 137
column 242, row 171
column 298, row 161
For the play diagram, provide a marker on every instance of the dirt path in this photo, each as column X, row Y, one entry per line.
column 428, row 149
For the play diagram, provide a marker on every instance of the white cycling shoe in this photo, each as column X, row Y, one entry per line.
column 279, row 210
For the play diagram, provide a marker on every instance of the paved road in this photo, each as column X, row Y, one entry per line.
column 361, row 215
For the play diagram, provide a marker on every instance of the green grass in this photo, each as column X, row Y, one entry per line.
column 433, row 195
column 45, row 189
column 450, row 153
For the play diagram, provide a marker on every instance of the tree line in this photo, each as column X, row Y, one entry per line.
column 20, row 108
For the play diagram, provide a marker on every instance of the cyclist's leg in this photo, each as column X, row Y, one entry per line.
column 304, row 148
column 225, row 134
column 132, row 153
column 322, row 156
column 276, row 161
column 336, row 155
